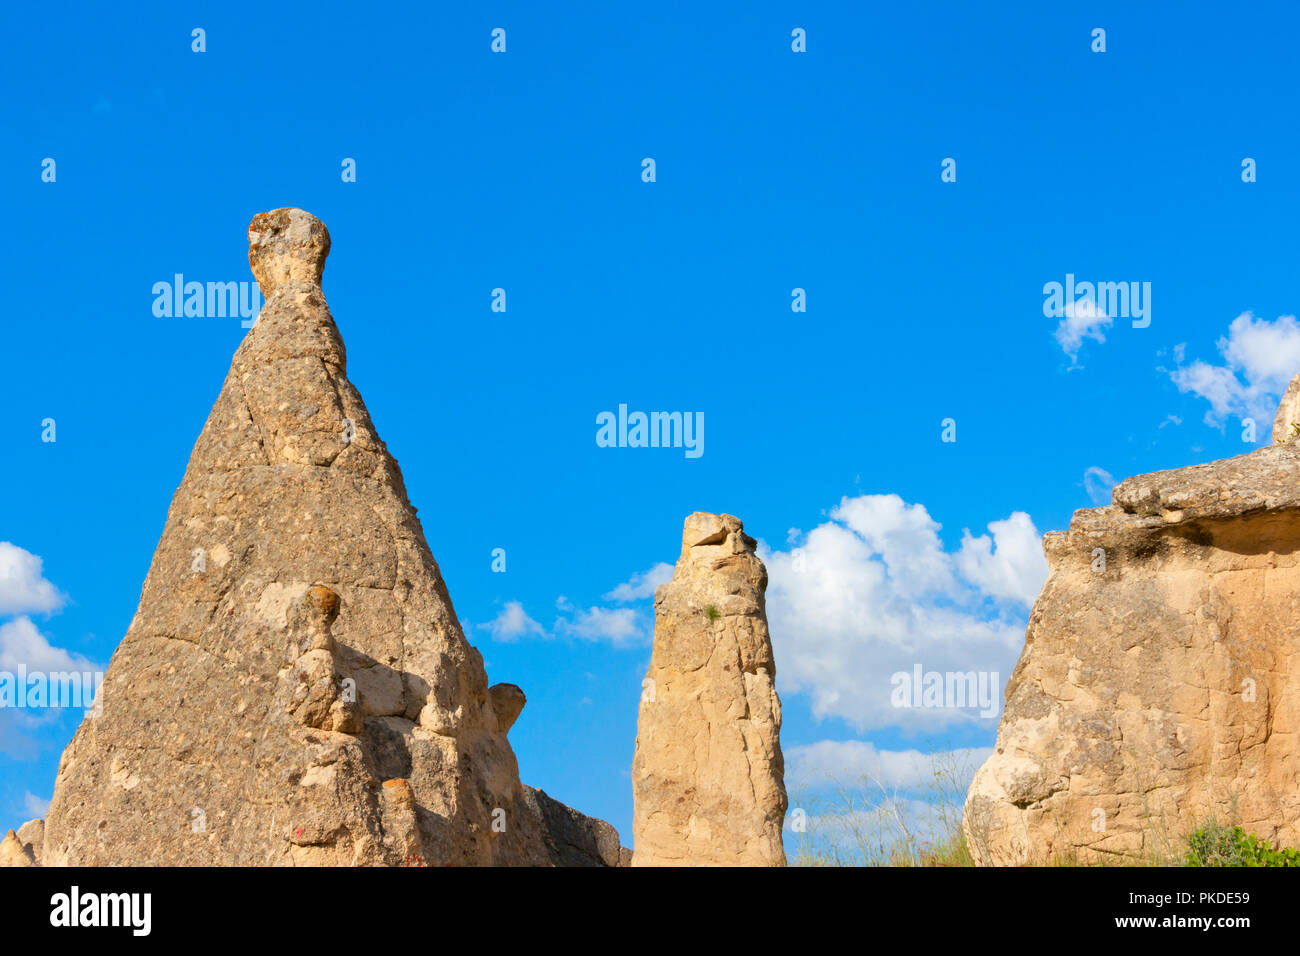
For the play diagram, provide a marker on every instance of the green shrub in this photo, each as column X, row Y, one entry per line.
column 1216, row 845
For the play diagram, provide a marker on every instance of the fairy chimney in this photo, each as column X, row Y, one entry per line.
column 708, row 777
column 295, row 687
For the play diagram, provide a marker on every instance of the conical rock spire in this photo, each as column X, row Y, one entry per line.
column 295, row 646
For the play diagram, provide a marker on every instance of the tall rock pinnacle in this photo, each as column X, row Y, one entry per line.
column 295, row 687
column 707, row 778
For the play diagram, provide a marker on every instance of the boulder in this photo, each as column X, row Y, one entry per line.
column 507, row 703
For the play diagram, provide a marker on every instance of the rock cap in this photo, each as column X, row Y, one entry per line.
column 285, row 247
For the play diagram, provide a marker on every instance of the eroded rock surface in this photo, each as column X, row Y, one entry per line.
column 573, row 838
column 1160, row 680
column 295, row 688
column 708, row 773
column 507, row 702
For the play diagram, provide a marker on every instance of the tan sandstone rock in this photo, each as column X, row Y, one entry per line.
column 13, row 853
column 1160, row 680
column 295, row 646
column 507, row 703
column 708, row 774
column 32, row 837
column 1286, row 424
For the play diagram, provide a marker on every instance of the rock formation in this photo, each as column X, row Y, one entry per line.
column 1160, row 680
column 295, row 687
column 22, row 848
column 1286, row 424
column 573, row 839
column 707, row 778
column 507, row 703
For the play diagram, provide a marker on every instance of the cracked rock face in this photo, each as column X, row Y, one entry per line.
column 708, row 777
column 295, row 647
column 1160, row 680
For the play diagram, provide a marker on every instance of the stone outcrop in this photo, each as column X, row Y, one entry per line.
column 295, row 688
column 707, row 778
column 1160, row 679
column 32, row 837
column 13, row 852
column 507, row 702
column 573, row 838
column 23, row 848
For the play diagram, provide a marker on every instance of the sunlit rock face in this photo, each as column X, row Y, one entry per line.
column 295, row 688
column 1159, row 684
column 708, row 777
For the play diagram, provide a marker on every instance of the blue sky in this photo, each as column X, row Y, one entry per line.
column 775, row 170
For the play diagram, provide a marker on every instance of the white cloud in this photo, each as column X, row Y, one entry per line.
column 1259, row 360
column 34, row 805
column 642, row 585
column 513, row 623
column 1083, row 320
column 620, row 626
column 23, row 589
column 905, row 537
column 1010, row 566
column 22, row 645
column 855, row 761
column 1098, row 482
column 872, row 592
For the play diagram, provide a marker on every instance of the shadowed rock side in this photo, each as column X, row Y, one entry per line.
column 1160, row 682
column 707, row 778
column 295, row 688
column 573, row 838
